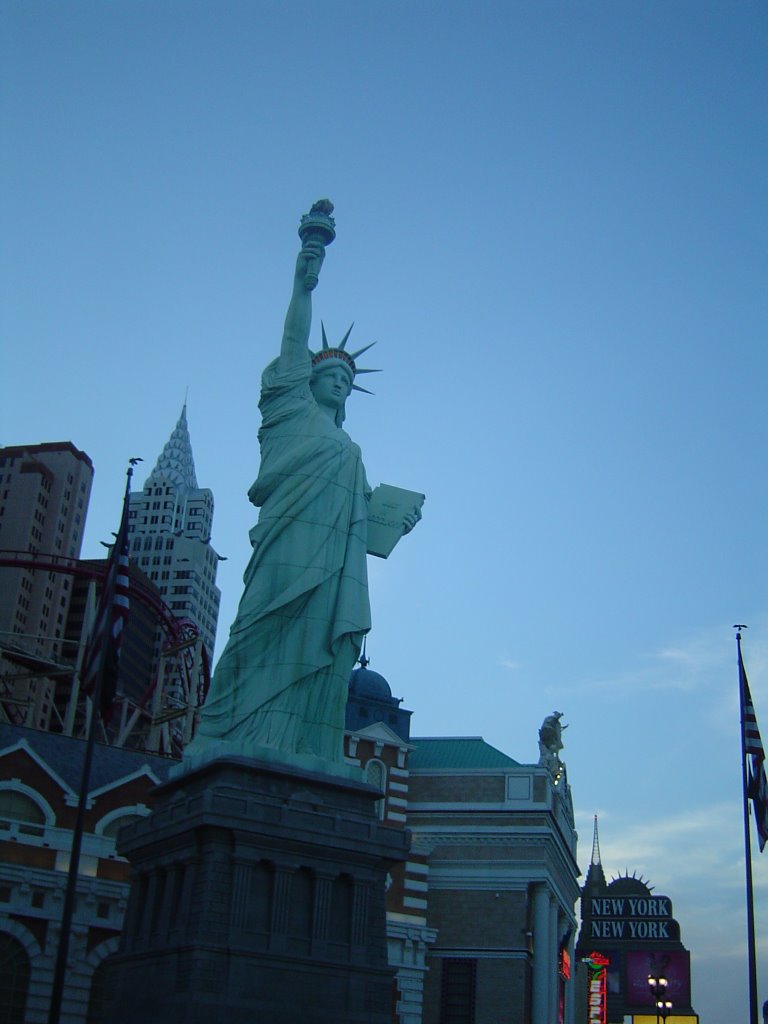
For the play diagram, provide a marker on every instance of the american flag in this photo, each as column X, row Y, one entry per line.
column 102, row 660
column 757, row 788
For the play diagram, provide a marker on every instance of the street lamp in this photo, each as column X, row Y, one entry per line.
column 664, row 1006
column 657, row 983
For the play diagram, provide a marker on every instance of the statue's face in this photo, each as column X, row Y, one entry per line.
column 331, row 386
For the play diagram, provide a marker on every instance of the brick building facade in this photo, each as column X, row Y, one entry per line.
column 480, row 917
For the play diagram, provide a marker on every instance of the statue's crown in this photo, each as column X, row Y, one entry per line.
column 340, row 355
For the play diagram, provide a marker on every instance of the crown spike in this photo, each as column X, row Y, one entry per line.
column 325, row 339
column 343, row 342
column 356, row 387
column 361, row 350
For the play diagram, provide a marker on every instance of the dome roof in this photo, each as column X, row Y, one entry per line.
column 366, row 683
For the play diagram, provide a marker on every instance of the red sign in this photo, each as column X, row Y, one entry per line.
column 565, row 964
column 597, row 989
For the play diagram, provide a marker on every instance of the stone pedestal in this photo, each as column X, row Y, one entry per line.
column 259, row 897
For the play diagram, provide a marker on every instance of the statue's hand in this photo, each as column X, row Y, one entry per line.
column 410, row 519
column 310, row 258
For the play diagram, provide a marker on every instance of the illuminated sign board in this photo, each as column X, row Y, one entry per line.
column 629, row 918
column 597, row 994
column 674, row 964
column 565, row 964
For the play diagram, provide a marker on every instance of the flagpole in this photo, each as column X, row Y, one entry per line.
column 751, row 958
column 67, row 913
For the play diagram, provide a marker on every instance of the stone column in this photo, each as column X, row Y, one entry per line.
column 321, row 918
column 281, row 895
column 184, row 913
column 554, row 941
column 541, row 945
column 240, row 892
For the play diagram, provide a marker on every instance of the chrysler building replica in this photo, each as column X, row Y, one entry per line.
column 170, row 536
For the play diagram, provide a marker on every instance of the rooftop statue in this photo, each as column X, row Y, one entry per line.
column 280, row 687
column 551, row 739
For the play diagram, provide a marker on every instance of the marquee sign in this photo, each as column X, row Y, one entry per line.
column 629, row 918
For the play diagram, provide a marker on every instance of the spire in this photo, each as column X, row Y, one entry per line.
column 595, row 883
column 595, row 846
column 176, row 463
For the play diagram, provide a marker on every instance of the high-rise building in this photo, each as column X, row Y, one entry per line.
column 44, row 493
column 169, row 527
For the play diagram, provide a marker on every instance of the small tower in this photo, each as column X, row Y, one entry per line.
column 170, row 535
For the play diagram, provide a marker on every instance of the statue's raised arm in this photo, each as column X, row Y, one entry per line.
column 298, row 319
column 317, row 230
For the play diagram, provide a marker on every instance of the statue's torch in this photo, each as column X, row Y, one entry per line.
column 317, row 226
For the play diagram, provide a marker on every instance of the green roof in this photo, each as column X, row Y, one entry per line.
column 460, row 752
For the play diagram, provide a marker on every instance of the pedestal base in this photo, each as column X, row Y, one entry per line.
column 259, row 897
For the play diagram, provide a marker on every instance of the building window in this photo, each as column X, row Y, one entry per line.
column 97, row 994
column 110, row 830
column 14, row 978
column 18, row 809
column 376, row 775
column 457, row 991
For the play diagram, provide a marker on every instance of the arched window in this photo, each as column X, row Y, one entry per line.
column 376, row 775
column 14, row 980
column 113, row 827
column 96, row 995
column 19, row 810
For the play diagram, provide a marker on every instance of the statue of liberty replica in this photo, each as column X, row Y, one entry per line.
column 281, row 683
column 260, row 874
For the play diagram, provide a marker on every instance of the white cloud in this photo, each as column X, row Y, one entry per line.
column 508, row 663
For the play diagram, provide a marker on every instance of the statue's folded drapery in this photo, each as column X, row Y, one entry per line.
column 282, row 679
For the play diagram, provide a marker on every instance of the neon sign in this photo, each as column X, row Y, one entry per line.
column 565, row 964
column 597, row 988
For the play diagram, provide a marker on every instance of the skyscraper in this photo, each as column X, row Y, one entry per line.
column 169, row 526
column 44, row 493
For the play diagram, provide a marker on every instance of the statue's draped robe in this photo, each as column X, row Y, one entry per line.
column 282, row 679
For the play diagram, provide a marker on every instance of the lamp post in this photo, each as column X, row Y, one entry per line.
column 664, row 1006
column 657, row 983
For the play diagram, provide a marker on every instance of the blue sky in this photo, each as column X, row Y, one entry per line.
column 552, row 218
